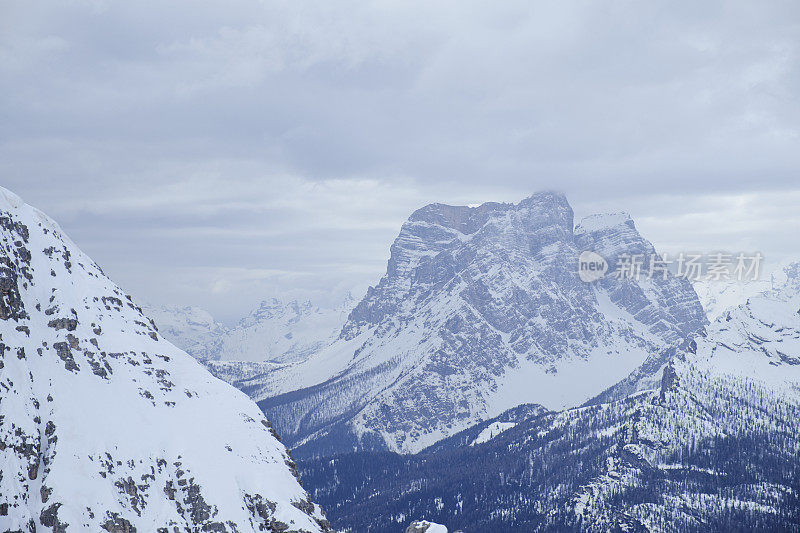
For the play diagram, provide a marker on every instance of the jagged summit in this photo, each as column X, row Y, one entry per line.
column 104, row 425
column 468, row 219
column 786, row 281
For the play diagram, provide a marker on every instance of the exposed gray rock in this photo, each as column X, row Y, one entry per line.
column 481, row 309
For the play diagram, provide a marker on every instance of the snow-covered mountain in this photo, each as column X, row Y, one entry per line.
column 717, row 296
column 104, row 425
column 192, row 329
column 277, row 331
column 714, row 447
column 481, row 309
column 284, row 332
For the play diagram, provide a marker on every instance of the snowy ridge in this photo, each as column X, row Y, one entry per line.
column 491, row 431
column 104, row 425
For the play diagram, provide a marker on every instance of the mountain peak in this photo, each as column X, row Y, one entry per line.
column 469, row 219
column 477, row 304
column 546, row 198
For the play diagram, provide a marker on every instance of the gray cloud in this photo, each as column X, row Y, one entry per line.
column 215, row 153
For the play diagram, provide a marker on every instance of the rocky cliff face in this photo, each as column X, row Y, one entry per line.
column 481, row 309
column 104, row 425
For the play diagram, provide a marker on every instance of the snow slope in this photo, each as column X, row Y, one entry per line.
column 104, row 425
column 726, row 415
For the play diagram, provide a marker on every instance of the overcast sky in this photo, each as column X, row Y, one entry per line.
column 217, row 153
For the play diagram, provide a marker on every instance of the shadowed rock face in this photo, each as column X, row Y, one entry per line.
column 106, row 426
column 481, row 309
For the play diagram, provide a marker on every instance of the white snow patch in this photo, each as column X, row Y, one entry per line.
column 491, row 431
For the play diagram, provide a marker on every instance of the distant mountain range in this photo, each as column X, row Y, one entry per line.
column 276, row 331
column 191, row 329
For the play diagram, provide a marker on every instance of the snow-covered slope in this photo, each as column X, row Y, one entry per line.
column 284, row 332
column 481, row 309
column 191, row 329
column 726, row 415
column 717, row 296
column 104, row 425
column 423, row 526
column 715, row 447
column 276, row 331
